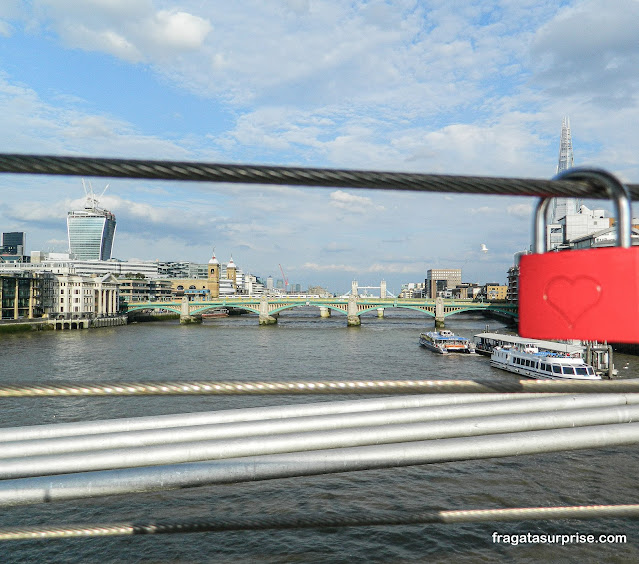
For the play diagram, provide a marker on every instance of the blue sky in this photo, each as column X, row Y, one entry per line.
column 450, row 86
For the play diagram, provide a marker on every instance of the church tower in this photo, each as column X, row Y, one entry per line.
column 213, row 282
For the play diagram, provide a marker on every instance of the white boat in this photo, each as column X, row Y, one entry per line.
column 529, row 361
column 598, row 355
column 445, row 342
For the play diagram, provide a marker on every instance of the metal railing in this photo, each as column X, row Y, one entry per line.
column 469, row 419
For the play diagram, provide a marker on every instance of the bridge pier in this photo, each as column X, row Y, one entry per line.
column 265, row 317
column 185, row 317
column 439, row 313
column 325, row 311
column 380, row 312
column 352, row 319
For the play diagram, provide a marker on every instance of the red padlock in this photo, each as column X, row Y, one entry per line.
column 588, row 294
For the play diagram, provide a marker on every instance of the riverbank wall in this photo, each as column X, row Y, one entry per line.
column 46, row 324
column 148, row 317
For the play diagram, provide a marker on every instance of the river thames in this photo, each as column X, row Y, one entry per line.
column 303, row 346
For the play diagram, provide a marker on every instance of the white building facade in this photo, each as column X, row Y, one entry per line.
column 149, row 269
column 84, row 296
column 575, row 226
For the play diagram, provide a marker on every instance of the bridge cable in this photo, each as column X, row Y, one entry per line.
column 325, row 520
column 365, row 387
column 300, row 176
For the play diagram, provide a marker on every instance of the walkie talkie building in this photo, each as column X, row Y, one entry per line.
column 91, row 233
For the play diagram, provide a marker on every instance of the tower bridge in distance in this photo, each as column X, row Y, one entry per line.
column 269, row 307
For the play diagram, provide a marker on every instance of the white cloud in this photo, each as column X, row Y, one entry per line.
column 5, row 29
column 412, row 59
column 378, row 267
column 325, row 267
column 520, row 210
column 337, row 247
column 31, row 125
column 591, row 50
column 58, row 243
column 484, row 210
column 178, row 30
column 105, row 40
column 352, row 203
column 395, row 267
column 133, row 30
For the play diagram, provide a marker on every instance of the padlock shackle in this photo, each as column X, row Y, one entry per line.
column 615, row 190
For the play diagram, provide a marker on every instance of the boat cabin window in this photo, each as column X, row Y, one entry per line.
column 590, row 370
column 567, row 370
column 581, row 370
column 556, row 369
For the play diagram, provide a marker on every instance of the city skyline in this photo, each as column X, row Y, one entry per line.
column 473, row 88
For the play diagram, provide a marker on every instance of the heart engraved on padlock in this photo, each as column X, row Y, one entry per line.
column 572, row 297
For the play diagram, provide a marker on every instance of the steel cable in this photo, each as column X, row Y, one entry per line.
column 365, row 387
column 299, row 176
column 324, row 520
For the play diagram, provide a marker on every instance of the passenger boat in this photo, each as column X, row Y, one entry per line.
column 597, row 355
column 529, row 361
column 445, row 342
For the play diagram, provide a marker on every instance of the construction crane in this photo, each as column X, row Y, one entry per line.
column 92, row 201
column 285, row 279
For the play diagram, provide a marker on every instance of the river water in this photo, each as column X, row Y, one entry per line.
column 302, row 346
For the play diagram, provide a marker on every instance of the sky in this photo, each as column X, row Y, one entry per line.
column 442, row 86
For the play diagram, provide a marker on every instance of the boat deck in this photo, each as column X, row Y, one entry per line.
column 500, row 339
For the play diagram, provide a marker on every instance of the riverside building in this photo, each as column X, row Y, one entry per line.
column 26, row 294
column 85, row 296
column 36, row 290
column 440, row 279
column 222, row 280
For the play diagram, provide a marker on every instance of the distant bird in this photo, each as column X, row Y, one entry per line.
column 484, row 248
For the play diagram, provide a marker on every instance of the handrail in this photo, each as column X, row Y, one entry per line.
column 318, row 387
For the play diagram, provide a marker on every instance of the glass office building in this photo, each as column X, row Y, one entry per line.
column 91, row 233
column 13, row 243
